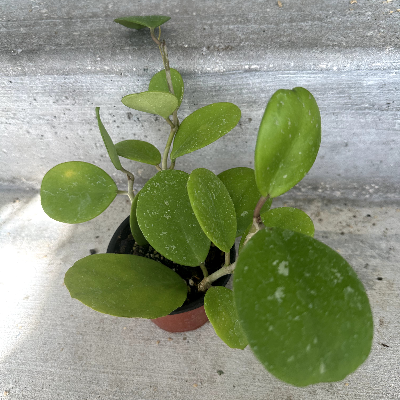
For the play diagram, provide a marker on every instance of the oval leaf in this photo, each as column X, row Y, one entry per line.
column 159, row 83
column 304, row 311
column 159, row 103
column 167, row 221
column 221, row 311
column 242, row 188
column 76, row 191
column 213, row 208
column 204, row 126
column 139, row 150
column 135, row 229
column 288, row 141
column 289, row 218
column 138, row 22
column 125, row 285
column 112, row 152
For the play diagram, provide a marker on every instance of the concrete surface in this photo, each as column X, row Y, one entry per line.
column 60, row 59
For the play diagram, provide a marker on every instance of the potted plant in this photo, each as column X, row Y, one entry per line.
column 296, row 302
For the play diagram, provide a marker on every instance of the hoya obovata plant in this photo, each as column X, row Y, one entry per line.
column 296, row 302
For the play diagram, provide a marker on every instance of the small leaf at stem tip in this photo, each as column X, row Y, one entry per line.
column 288, row 141
column 140, row 22
column 112, row 152
column 139, row 150
column 289, row 218
column 242, row 188
column 158, row 103
column 133, row 222
column 76, row 191
column 204, row 127
column 158, row 83
column 213, row 208
column 220, row 308
column 167, row 220
column 302, row 308
column 126, row 285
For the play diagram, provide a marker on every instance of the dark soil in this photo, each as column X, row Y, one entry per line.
column 192, row 275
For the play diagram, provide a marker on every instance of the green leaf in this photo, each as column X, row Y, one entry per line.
column 289, row 218
column 135, row 229
column 244, row 236
column 125, row 285
column 112, row 152
column 288, row 141
column 159, row 103
column 167, row 220
column 138, row 22
column 242, row 188
column 221, row 311
column 304, row 311
column 204, row 126
column 213, row 208
column 159, row 83
column 139, row 150
column 76, row 191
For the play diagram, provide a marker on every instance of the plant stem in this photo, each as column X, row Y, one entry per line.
column 227, row 258
column 207, row 281
column 131, row 179
column 204, row 269
column 257, row 211
column 167, row 147
column 123, row 192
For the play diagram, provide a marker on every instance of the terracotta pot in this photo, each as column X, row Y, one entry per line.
column 188, row 317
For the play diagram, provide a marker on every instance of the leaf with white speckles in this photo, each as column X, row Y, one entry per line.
column 125, row 285
column 221, row 311
column 167, row 220
column 288, row 141
column 242, row 188
column 76, row 191
column 304, row 311
column 204, row 127
column 139, row 150
column 289, row 218
column 213, row 208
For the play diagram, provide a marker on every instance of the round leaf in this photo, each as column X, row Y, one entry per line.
column 76, row 192
column 138, row 22
column 139, row 150
column 242, row 188
column 289, row 218
column 135, row 229
column 213, row 208
column 204, row 126
column 159, row 83
column 288, row 141
column 112, row 152
column 167, row 220
column 125, row 285
column 159, row 103
column 304, row 311
column 221, row 311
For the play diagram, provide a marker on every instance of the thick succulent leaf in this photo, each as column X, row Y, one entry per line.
column 112, row 152
column 213, row 208
column 139, row 150
column 242, row 188
column 304, row 311
column 139, row 22
column 135, row 229
column 204, row 126
column 288, row 141
column 76, row 191
column 289, row 218
column 159, row 103
column 159, row 83
column 125, row 285
column 221, row 311
column 167, row 220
